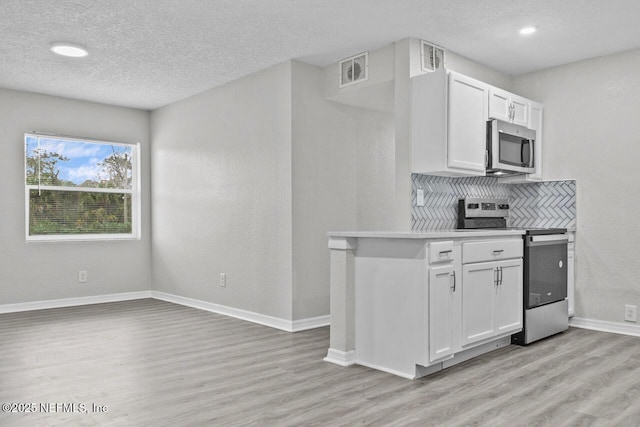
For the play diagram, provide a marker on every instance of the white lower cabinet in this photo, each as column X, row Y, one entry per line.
column 491, row 299
column 509, row 297
column 478, row 301
column 445, row 290
column 419, row 308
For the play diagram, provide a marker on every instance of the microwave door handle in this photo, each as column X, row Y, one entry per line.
column 528, row 142
column 532, row 160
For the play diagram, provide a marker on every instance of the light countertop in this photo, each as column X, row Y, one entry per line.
column 435, row 234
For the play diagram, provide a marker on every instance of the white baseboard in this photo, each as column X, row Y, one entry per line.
column 274, row 322
column 72, row 302
column 409, row 376
column 632, row 329
column 311, row 323
column 250, row 316
column 342, row 358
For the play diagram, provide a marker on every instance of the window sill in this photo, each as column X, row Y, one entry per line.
column 81, row 238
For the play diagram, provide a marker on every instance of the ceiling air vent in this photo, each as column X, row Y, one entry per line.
column 354, row 69
column 432, row 57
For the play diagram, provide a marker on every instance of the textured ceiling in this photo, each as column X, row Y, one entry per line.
column 148, row 53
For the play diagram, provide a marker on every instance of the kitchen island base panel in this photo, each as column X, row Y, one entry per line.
column 342, row 358
column 422, row 371
column 341, row 301
column 380, row 300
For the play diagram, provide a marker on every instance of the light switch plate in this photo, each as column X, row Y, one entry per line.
column 420, row 197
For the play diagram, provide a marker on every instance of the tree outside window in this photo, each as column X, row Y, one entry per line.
column 80, row 189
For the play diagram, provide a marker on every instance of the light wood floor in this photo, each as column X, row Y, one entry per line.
column 153, row 363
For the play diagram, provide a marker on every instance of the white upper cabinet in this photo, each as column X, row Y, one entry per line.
column 508, row 107
column 535, row 122
column 448, row 119
column 448, row 124
column 467, row 123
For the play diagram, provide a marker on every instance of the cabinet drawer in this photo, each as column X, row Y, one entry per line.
column 440, row 252
column 491, row 250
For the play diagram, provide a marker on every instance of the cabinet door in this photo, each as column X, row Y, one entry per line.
column 509, row 296
column 499, row 101
column 520, row 110
column 571, row 273
column 479, row 282
column 509, row 107
column 535, row 123
column 467, row 123
column 443, row 288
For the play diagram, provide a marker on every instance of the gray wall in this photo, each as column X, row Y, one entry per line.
column 592, row 134
column 483, row 73
column 248, row 177
column 342, row 179
column 222, row 194
column 247, row 180
column 38, row 271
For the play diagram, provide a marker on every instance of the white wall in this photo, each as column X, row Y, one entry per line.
column 221, row 194
column 480, row 72
column 37, row 271
column 592, row 134
column 458, row 63
column 248, row 178
column 323, row 183
column 342, row 180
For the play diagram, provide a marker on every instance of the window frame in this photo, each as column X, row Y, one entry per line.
column 134, row 192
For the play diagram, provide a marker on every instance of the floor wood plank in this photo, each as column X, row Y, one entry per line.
column 153, row 363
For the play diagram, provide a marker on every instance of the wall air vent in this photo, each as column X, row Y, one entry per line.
column 354, row 69
column 432, row 56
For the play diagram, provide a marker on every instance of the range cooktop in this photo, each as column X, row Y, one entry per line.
column 493, row 214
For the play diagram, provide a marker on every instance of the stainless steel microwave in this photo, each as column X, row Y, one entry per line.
column 510, row 149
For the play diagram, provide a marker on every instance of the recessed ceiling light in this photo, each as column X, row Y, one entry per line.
column 69, row 49
column 528, row 30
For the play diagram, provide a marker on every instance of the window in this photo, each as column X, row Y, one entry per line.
column 78, row 189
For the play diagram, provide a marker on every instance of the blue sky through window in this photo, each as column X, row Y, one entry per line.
column 85, row 157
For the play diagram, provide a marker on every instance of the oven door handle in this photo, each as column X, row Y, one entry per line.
column 550, row 238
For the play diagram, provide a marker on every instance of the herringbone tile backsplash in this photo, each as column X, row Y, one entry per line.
column 543, row 204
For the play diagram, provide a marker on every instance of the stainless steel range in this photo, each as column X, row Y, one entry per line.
column 546, row 310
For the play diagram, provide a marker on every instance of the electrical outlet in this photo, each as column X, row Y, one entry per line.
column 82, row 276
column 630, row 313
column 223, row 280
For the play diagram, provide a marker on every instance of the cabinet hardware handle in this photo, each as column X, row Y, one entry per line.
column 453, row 273
column 445, row 252
column 495, row 276
column 486, row 158
column 498, row 251
column 500, row 276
